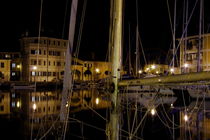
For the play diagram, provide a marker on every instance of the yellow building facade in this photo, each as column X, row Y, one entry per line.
column 45, row 61
column 189, row 53
column 4, row 70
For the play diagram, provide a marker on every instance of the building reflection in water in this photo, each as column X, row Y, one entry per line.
column 38, row 112
column 195, row 121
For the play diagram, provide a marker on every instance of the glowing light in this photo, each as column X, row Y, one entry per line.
column 159, row 80
column 34, row 106
column 186, row 118
column 67, row 104
column 18, row 104
column 97, row 70
column 153, row 111
column 186, row 65
column 97, row 101
column 18, row 66
column 140, row 71
column 171, row 70
column 153, row 66
column 34, row 67
column 157, row 72
column 147, row 69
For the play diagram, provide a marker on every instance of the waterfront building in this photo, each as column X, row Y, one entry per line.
column 45, row 61
column 189, row 53
column 4, row 70
column 159, row 69
column 44, row 58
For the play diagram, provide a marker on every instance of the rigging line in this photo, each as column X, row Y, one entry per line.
column 79, row 121
column 171, row 133
column 169, row 14
column 167, row 124
column 185, row 29
column 167, row 114
column 39, row 35
column 37, row 53
column 81, row 27
column 128, row 116
column 67, row 114
column 64, row 19
column 140, row 41
column 96, row 112
column 49, row 129
column 132, row 135
column 134, row 117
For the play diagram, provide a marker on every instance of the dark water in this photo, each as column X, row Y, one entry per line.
column 35, row 115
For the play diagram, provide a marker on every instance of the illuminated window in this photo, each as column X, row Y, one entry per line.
column 13, row 104
column 33, row 73
column 13, row 73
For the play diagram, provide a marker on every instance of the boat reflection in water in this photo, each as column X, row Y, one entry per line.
column 35, row 115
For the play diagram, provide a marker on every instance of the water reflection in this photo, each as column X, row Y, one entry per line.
column 28, row 114
column 38, row 111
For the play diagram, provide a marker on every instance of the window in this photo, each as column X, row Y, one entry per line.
column 2, row 64
column 13, row 104
column 2, row 108
column 13, row 73
column 33, row 73
column 33, row 52
column 58, row 63
column 13, row 65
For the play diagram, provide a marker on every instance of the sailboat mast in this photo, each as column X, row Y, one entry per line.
column 200, row 38
column 137, row 39
column 116, row 66
column 67, row 81
column 174, row 35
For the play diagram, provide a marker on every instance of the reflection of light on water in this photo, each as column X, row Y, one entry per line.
column 97, row 100
column 34, row 106
column 153, row 111
column 186, row 118
column 18, row 104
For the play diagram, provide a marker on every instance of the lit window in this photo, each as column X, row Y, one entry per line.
column 33, row 73
column 13, row 104
column 13, row 73
column 13, row 65
column 32, row 98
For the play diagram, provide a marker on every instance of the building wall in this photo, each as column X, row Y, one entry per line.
column 45, row 61
column 5, row 69
column 190, row 44
column 4, row 103
column 47, row 57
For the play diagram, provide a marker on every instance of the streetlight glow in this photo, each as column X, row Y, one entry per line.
column 34, row 67
column 97, row 70
column 153, row 66
column 186, row 65
column 140, row 71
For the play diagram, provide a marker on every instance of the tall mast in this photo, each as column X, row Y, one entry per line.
column 116, row 67
column 67, row 82
column 174, row 35
column 200, row 38
column 137, row 40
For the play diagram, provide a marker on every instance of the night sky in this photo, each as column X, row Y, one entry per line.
column 154, row 25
